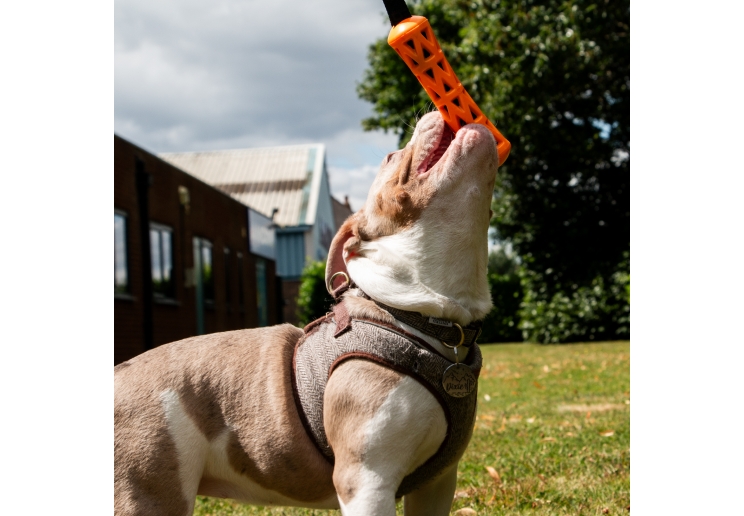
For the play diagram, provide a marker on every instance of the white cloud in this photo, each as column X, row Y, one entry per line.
column 353, row 147
column 232, row 70
column 194, row 75
column 354, row 182
column 354, row 159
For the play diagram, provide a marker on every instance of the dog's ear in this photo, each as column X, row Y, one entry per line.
column 345, row 242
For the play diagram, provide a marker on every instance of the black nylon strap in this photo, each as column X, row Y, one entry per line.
column 397, row 11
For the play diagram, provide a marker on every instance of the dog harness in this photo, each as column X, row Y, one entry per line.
column 336, row 337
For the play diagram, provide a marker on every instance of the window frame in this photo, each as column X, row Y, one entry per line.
column 226, row 253
column 241, row 282
column 262, row 292
column 209, row 302
column 170, row 294
column 126, row 292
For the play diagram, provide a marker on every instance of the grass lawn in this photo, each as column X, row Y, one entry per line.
column 553, row 427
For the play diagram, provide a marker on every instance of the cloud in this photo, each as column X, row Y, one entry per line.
column 352, row 182
column 207, row 75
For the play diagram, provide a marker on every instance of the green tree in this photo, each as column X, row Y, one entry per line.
column 313, row 301
column 599, row 310
column 554, row 76
column 502, row 322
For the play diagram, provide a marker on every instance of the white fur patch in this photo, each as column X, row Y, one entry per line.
column 198, row 457
column 239, row 487
column 406, row 430
column 420, row 271
column 191, row 444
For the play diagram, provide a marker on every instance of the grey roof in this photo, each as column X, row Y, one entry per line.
column 287, row 178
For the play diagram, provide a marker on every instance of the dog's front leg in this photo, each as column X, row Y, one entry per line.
column 381, row 425
column 433, row 499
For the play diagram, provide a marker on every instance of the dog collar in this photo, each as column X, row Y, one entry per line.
column 449, row 332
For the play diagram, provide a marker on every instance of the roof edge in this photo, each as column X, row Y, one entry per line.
column 246, row 149
column 318, row 170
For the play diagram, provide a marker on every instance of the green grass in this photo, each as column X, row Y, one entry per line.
column 553, row 424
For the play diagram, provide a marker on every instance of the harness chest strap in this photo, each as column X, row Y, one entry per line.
column 324, row 346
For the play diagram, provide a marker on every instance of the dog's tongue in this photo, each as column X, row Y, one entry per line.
column 447, row 136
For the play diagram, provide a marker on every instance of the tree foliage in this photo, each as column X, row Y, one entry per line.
column 599, row 310
column 502, row 322
column 554, row 76
column 313, row 301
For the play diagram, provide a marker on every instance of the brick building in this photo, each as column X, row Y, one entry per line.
column 189, row 259
column 290, row 183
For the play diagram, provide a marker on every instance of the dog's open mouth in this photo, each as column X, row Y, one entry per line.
column 436, row 154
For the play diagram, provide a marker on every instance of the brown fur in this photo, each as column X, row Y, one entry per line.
column 346, row 410
column 238, row 378
column 398, row 205
column 361, row 308
column 143, row 450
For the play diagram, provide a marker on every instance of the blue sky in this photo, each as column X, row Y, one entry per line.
column 194, row 75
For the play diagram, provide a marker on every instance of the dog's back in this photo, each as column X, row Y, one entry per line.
column 216, row 399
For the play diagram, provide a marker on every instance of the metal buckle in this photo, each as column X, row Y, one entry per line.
column 329, row 285
column 462, row 337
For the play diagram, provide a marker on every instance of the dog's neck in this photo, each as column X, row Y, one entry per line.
column 415, row 270
column 360, row 307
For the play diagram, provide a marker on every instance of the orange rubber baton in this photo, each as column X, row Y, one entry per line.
column 414, row 41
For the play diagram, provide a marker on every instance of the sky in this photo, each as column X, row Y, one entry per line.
column 195, row 75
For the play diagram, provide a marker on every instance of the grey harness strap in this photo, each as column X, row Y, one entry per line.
column 320, row 351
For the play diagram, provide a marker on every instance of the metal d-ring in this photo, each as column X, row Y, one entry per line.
column 462, row 338
column 329, row 285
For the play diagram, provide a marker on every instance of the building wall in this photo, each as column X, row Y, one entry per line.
column 291, row 250
column 210, row 214
column 290, row 291
column 325, row 225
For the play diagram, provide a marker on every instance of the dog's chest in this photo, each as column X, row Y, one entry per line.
column 320, row 351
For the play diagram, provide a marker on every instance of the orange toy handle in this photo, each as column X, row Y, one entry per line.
column 415, row 43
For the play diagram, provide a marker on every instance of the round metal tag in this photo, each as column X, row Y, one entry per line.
column 458, row 380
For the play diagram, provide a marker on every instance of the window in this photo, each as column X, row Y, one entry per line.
column 205, row 274
column 161, row 259
column 121, row 274
column 241, row 293
column 228, row 279
column 261, row 292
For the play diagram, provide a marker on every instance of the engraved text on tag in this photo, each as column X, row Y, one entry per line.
column 458, row 380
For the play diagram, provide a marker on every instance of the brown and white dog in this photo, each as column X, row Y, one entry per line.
column 215, row 415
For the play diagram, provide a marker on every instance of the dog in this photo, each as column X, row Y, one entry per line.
column 220, row 414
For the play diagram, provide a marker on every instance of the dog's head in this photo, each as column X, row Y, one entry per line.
column 420, row 242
